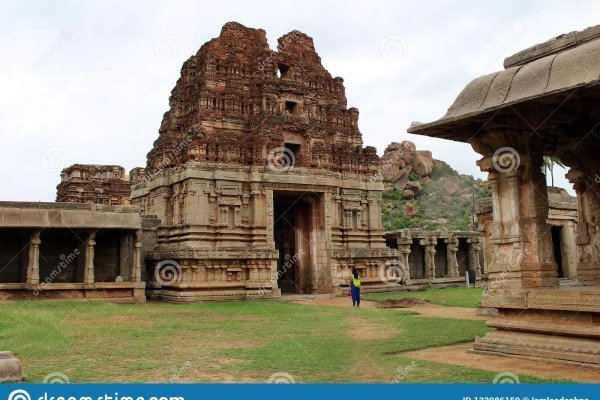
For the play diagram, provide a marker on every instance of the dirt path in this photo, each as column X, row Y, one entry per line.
column 457, row 355
column 425, row 310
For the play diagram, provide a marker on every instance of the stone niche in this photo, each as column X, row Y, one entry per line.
column 259, row 178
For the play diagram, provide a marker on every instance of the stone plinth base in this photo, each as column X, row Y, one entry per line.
column 10, row 368
column 119, row 292
column 559, row 324
column 571, row 350
column 173, row 295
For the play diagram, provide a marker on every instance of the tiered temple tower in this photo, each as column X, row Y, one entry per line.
column 259, row 177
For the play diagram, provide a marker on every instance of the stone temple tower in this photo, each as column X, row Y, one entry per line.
column 259, row 178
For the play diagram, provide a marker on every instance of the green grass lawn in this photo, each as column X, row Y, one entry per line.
column 237, row 341
column 450, row 297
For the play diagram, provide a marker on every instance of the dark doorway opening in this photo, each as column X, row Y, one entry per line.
column 556, row 240
column 441, row 257
column 298, row 231
column 416, row 260
column 462, row 256
column 285, row 228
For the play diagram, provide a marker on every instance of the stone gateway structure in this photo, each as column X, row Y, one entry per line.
column 260, row 179
column 545, row 103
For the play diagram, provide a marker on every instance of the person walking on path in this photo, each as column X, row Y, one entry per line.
column 355, row 288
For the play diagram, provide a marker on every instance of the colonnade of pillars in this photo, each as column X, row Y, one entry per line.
column 430, row 243
column 33, row 260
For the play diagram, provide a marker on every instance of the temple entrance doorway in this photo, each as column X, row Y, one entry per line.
column 296, row 229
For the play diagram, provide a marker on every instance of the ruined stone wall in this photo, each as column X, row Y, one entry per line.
column 94, row 184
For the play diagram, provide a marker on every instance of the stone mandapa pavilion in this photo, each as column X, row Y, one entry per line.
column 260, row 179
column 545, row 103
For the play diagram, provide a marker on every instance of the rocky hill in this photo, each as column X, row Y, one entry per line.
column 422, row 192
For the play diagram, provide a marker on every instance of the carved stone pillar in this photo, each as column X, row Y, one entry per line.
column 521, row 242
column 88, row 269
column 429, row 244
column 474, row 249
column 33, row 262
column 452, row 247
column 588, row 226
column 404, row 250
column 136, row 259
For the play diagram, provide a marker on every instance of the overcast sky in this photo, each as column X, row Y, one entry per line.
column 88, row 82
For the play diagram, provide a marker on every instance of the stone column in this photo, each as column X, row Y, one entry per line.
column 520, row 236
column 452, row 249
column 474, row 249
column 588, row 212
column 33, row 262
column 136, row 259
column 404, row 250
column 88, row 269
column 429, row 244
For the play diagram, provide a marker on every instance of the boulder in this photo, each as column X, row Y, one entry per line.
column 408, row 194
column 390, row 170
column 450, row 185
column 413, row 185
column 401, row 179
column 422, row 162
column 10, row 368
column 410, row 210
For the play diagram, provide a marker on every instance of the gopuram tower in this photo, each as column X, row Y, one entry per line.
column 260, row 179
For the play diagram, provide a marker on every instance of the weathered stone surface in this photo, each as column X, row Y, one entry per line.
column 400, row 159
column 422, row 162
column 450, row 185
column 10, row 368
column 94, row 184
column 414, row 186
column 408, row 194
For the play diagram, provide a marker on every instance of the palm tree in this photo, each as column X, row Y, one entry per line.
column 549, row 163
